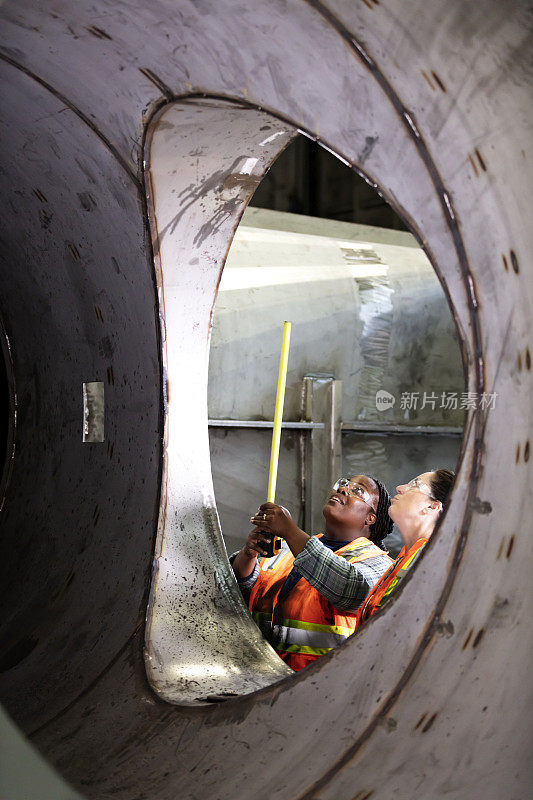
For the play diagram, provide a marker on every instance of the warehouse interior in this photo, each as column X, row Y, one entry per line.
column 177, row 179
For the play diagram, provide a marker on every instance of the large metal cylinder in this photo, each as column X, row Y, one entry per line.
column 432, row 103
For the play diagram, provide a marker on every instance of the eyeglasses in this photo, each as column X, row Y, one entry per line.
column 356, row 490
column 420, row 486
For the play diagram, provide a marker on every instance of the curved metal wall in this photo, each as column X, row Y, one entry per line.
column 204, row 159
column 433, row 104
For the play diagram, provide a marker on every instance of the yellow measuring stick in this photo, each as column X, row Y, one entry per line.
column 278, row 414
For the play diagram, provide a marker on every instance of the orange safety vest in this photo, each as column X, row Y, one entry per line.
column 389, row 580
column 304, row 625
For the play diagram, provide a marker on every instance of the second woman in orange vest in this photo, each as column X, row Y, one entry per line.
column 415, row 508
column 305, row 599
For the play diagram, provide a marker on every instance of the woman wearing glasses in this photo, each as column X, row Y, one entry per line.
column 305, row 598
column 415, row 509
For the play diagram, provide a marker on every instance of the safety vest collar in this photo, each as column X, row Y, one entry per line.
column 359, row 550
column 391, row 578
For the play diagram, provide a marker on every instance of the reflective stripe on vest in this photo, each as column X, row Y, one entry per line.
column 276, row 561
column 295, row 636
column 402, row 572
column 358, row 553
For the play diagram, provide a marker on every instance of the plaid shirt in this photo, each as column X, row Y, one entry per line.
column 345, row 585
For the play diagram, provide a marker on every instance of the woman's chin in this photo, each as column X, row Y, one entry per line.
column 330, row 508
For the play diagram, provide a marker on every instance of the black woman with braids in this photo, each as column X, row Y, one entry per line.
column 305, row 599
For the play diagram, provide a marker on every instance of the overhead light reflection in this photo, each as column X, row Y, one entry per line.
column 203, row 671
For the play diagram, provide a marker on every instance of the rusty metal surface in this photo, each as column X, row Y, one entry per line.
column 435, row 108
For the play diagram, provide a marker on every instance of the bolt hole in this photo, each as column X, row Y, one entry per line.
column 420, row 721
column 481, row 162
column 429, row 723
column 438, row 81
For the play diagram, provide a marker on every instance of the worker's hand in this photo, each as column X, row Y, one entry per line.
column 253, row 547
column 274, row 519
column 277, row 520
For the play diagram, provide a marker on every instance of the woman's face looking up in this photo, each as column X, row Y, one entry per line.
column 352, row 502
column 411, row 501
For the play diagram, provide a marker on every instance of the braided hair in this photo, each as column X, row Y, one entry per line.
column 383, row 524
